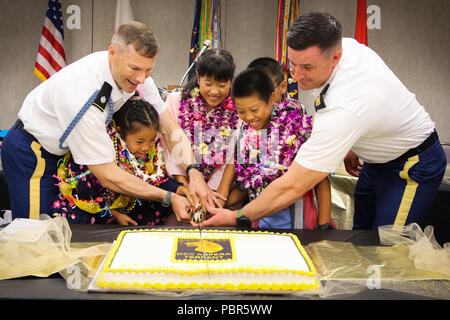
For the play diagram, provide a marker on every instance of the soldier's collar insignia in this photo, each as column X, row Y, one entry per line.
column 320, row 103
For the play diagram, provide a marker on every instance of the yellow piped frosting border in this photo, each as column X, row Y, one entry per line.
column 210, row 286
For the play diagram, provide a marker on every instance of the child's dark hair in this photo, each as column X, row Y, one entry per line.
column 134, row 115
column 215, row 63
column 269, row 65
column 251, row 81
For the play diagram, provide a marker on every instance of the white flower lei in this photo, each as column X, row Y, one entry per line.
column 136, row 166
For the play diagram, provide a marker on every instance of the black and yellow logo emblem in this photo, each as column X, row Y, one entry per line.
column 192, row 249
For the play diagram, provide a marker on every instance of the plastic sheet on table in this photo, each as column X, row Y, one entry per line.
column 424, row 250
column 410, row 265
column 42, row 247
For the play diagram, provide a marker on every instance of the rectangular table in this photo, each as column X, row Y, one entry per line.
column 55, row 288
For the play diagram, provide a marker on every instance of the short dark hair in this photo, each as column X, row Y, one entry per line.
column 215, row 63
column 139, row 35
column 269, row 65
column 135, row 114
column 315, row 28
column 252, row 81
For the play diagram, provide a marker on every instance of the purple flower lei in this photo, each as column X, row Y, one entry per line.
column 208, row 132
column 260, row 160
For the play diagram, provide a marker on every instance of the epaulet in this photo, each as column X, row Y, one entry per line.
column 320, row 103
column 103, row 96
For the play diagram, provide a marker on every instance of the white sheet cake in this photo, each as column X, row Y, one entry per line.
column 220, row 260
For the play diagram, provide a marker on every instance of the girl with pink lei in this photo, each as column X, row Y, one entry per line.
column 267, row 144
column 207, row 115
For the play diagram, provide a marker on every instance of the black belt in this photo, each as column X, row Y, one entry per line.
column 19, row 125
column 421, row 148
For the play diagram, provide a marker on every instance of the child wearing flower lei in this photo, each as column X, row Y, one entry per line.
column 312, row 217
column 268, row 142
column 265, row 155
column 150, row 169
column 84, row 200
column 287, row 125
column 209, row 132
column 207, row 115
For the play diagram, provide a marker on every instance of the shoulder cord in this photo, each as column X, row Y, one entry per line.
column 78, row 116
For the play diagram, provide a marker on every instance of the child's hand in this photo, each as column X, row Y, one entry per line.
column 219, row 200
column 123, row 219
column 219, row 203
column 184, row 191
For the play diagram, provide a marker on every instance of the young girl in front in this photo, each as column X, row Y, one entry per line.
column 134, row 134
column 207, row 115
column 266, row 146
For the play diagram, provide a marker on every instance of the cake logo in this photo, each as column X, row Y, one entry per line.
column 210, row 247
column 196, row 249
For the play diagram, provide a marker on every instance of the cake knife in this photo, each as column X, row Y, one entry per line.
column 197, row 217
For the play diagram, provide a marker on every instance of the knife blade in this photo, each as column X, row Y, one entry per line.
column 198, row 216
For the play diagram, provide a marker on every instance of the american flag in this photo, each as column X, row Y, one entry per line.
column 51, row 56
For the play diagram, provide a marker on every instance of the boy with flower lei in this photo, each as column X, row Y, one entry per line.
column 267, row 144
column 84, row 200
column 206, row 113
column 262, row 155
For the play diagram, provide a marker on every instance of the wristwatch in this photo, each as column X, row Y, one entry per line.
column 242, row 221
column 325, row 226
column 192, row 166
column 166, row 201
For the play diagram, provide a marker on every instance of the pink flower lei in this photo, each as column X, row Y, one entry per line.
column 264, row 155
column 208, row 132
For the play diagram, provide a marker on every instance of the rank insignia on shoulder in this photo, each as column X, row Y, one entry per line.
column 103, row 96
column 320, row 103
